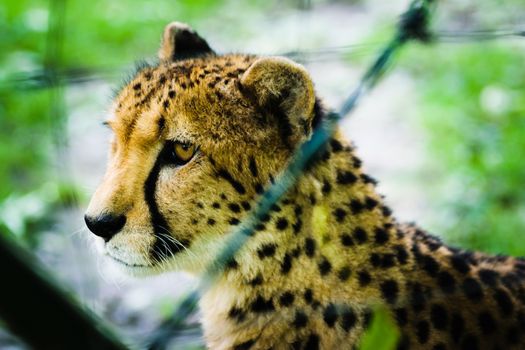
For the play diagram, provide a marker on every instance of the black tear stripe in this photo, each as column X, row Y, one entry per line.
column 164, row 246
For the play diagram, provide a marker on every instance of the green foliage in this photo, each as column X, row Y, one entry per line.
column 474, row 111
column 382, row 334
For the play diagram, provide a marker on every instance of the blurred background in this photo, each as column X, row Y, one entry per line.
column 444, row 132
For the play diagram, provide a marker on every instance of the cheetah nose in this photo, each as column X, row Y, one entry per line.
column 106, row 225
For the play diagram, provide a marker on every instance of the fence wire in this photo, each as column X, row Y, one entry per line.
column 413, row 25
column 49, row 77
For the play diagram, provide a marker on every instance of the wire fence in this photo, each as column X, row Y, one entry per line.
column 414, row 25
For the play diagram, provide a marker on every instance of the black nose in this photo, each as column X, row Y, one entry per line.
column 105, row 226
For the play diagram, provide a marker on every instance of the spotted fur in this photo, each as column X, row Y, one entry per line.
column 324, row 257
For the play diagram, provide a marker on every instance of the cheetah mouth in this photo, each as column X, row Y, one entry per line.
column 119, row 261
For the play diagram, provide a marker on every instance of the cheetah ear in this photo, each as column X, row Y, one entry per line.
column 283, row 88
column 179, row 41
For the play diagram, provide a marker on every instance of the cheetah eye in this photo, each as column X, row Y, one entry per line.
column 181, row 153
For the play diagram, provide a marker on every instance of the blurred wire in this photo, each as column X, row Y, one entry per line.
column 53, row 75
column 480, row 35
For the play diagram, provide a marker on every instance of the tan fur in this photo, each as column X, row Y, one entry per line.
column 328, row 253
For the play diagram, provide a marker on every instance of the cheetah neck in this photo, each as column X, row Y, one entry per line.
column 316, row 248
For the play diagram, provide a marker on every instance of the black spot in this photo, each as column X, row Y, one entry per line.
column 264, row 218
column 375, row 259
column 309, row 247
column 165, row 104
column 297, row 226
column 171, row 94
column 520, row 317
column 257, row 281
column 513, row 335
column 234, row 207
column 275, row 208
column 422, row 331
column 300, row 320
column 418, row 298
column 234, row 221
column 459, row 264
column 472, row 289
column 381, row 236
column 356, row 162
column 266, row 250
column 364, row 278
column 344, row 273
column 296, row 345
column 324, row 266
column 470, row 342
column 244, row 346
column 401, row 254
column 235, row 184
column 312, row 343
column 261, row 305
column 504, row 302
column 457, row 327
column 360, row 235
column 326, row 187
column 161, row 123
column 345, row 177
column 231, row 264
column 403, row 342
column 347, row 240
column 438, row 316
column 296, row 252
column 446, row 282
column 389, row 290
column 330, row 315
column 336, row 145
column 259, row 188
column 286, row 299
column 211, row 221
column 387, row 260
column 339, row 214
column 281, row 224
column 488, row 277
column 367, row 179
column 237, row 314
column 367, row 318
column 286, row 265
column 246, row 205
column 401, row 316
column 308, row 296
column 356, row 206
column 486, row 322
column 370, row 203
column 348, row 318
column 386, row 210
column 430, row 265
column 439, row 346
column 137, row 86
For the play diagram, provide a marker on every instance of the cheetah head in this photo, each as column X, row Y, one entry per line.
column 195, row 140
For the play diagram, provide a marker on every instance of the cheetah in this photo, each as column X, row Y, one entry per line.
column 198, row 138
